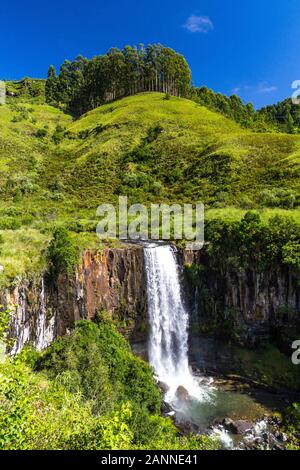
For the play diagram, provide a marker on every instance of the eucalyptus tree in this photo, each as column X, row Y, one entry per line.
column 51, row 85
column 84, row 84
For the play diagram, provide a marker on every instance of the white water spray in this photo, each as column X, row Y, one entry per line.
column 168, row 344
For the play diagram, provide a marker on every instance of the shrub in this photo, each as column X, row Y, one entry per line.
column 277, row 198
column 25, row 185
column 62, row 254
column 41, row 133
column 157, row 188
column 9, row 223
column 96, row 360
column 58, row 134
column 292, row 425
column 291, row 254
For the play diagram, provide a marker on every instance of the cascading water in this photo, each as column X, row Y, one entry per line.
column 168, row 343
column 45, row 329
column 37, row 329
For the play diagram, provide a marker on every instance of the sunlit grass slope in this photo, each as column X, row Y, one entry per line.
column 55, row 170
column 195, row 154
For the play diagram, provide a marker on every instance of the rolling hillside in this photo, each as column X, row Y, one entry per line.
column 55, row 170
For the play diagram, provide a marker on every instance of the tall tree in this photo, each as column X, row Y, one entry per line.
column 51, row 85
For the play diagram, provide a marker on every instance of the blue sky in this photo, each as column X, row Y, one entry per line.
column 245, row 46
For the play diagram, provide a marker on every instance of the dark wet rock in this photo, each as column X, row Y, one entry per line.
column 265, row 437
column 182, row 393
column 186, row 427
column 197, row 371
column 272, row 442
column 217, row 422
column 166, row 408
column 226, row 422
column 183, row 427
column 237, row 427
column 163, row 386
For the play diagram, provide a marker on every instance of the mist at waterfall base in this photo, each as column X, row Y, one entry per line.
column 168, row 317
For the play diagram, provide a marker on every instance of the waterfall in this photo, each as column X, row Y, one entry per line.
column 45, row 328
column 20, row 323
column 31, row 326
column 168, row 317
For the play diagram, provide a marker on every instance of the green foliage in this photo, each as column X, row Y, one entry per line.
column 292, row 418
column 253, row 242
column 5, row 319
column 277, row 198
column 150, row 149
column 87, row 392
column 26, row 90
column 269, row 366
column 41, row 133
column 291, row 421
column 15, row 408
column 285, row 116
column 58, row 134
column 231, row 107
column 51, row 85
column 62, row 253
column 194, row 273
column 291, row 254
column 93, row 358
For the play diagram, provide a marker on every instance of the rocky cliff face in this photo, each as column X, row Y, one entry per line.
column 111, row 280
column 249, row 302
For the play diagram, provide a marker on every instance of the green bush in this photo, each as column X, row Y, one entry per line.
column 292, row 425
column 96, row 361
column 251, row 241
column 86, row 392
column 277, row 198
column 41, row 133
column 62, row 254
column 9, row 223
column 291, row 254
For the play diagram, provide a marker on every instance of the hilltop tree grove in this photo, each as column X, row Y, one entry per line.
column 85, row 84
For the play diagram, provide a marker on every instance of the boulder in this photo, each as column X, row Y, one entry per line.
column 182, row 394
column 166, row 408
column 163, row 386
column 237, row 427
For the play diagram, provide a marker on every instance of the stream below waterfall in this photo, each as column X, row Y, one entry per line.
column 196, row 401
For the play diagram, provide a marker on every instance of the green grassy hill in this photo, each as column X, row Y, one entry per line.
column 154, row 149
column 55, row 170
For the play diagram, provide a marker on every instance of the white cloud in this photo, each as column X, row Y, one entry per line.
column 261, row 88
column 198, row 24
column 265, row 88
